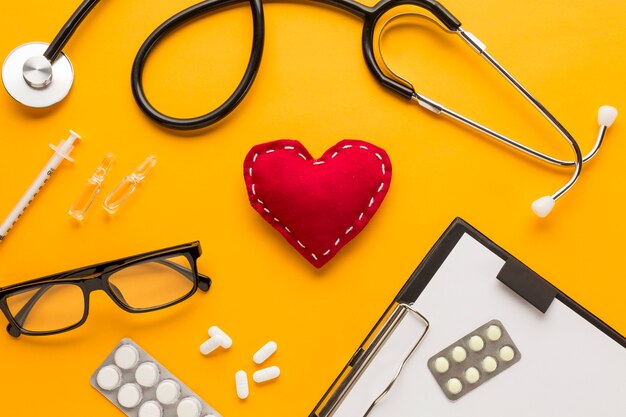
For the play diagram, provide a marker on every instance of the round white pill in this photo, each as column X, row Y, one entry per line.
column 150, row 409
column 442, row 365
column 109, row 377
column 494, row 333
column 129, row 396
column 507, row 353
column 265, row 352
column 189, row 407
column 147, row 374
column 454, row 386
column 168, row 392
column 266, row 374
column 476, row 343
column 459, row 354
column 489, row 364
column 126, row 357
column 471, row 375
column 241, row 383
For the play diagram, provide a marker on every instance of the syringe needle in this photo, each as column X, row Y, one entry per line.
column 61, row 151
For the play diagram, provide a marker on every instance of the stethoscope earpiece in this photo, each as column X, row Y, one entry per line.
column 31, row 79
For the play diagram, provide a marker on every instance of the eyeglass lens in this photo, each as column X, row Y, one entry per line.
column 48, row 308
column 149, row 285
column 153, row 284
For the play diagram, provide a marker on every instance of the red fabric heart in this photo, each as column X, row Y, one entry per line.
column 318, row 205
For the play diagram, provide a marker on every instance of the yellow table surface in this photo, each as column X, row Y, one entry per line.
column 313, row 86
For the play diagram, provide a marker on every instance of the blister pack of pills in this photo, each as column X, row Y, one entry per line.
column 141, row 387
column 474, row 359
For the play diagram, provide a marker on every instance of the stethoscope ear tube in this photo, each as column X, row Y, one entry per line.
column 369, row 27
column 237, row 96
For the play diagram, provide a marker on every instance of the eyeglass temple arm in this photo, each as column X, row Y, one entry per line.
column 204, row 283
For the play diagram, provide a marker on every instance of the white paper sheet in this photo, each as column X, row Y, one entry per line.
column 568, row 367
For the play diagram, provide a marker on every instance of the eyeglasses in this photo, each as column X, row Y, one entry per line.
column 137, row 284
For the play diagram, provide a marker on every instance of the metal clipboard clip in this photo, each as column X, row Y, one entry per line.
column 343, row 385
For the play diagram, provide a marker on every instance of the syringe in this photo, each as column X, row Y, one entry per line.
column 61, row 151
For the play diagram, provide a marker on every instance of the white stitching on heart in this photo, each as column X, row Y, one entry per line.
column 349, row 229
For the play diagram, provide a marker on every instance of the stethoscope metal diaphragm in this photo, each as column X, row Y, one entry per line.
column 33, row 80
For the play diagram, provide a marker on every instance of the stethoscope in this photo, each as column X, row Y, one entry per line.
column 41, row 75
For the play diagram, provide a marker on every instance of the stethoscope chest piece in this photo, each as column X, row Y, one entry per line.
column 33, row 80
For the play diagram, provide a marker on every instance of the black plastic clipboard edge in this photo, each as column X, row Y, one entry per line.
column 421, row 277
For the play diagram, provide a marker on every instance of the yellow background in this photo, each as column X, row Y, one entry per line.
column 313, row 86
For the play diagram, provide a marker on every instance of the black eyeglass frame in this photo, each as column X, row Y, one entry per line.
column 96, row 277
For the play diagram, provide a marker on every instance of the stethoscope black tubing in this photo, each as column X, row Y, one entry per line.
column 370, row 15
column 244, row 85
column 56, row 46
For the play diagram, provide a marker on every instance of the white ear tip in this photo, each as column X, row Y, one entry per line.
column 543, row 206
column 606, row 115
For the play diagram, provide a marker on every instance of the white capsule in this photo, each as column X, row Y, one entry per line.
column 265, row 352
column 213, row 343
column 266, row 374
column 228, row 342
column 241, row 382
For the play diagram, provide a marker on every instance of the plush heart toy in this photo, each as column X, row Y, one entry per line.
column 318, row 205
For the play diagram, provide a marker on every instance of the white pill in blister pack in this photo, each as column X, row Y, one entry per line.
column 442, row 364
column 129, row 395
column 168, row 392
column 266, row 374
column 147, row 374
column 473, row 360
column 141, row 387
column 472, row 375
column 265, row 352
column 109, row 377
column 150, row 409
column 126, row 357
column 459, row 354
column 241, row 383
column 189, row 407
column 494, row 332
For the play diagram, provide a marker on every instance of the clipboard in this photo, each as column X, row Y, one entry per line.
column 572, row 362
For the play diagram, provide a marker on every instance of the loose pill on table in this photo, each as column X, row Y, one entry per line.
column 459, row 354
column 147, row 374
column 227, row 342
column 109, row 377
column 168, row 392
column 489, row 364
column 189, row 407
column 454, row 386
column 150, row 409
column 129, row 395
column 126, row 357
column 442, row 365
column 494, row 332
column 265, row 352
column 476, row 343
column 241, row 382
column 507, row 353
column 266, row 374
column 472, row 375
